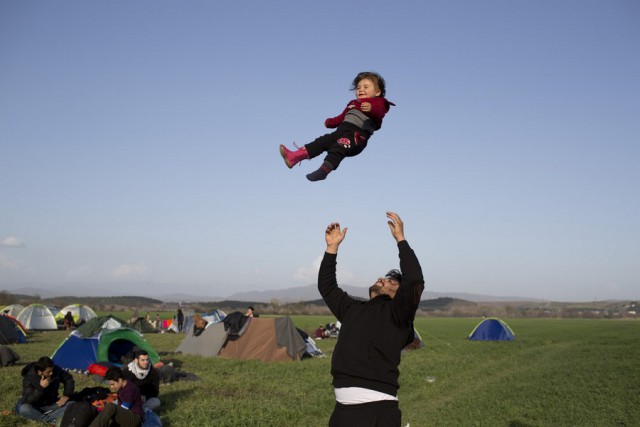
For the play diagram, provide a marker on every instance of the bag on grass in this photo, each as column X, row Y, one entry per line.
column 90, row 394
column 78, row 414
column 99, row 404
column 98, row 369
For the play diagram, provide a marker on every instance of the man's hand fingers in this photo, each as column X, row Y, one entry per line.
column 333, row 226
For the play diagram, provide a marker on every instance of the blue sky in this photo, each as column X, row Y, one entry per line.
column 139, row 144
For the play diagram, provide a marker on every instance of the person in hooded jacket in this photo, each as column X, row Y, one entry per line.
column 40, row 400
column 366, row 358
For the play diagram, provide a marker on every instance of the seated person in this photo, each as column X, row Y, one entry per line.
column 128, row 411
column 40, row 383
column 69, row 322
column 142, row 373
column 320, row 332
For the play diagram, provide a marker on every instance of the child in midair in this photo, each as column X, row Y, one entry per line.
column 355, row 125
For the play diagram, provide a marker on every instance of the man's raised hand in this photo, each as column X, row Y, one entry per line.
column 396, row 226
column 334, row 236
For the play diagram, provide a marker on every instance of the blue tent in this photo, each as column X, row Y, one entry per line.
column 492, row 329
column 102, row 339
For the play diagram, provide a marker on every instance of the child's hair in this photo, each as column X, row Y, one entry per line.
column 374, row 77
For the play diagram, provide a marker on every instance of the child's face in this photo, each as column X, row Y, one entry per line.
column 367, row 89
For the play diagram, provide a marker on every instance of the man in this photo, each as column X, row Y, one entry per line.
column 146, row 378
column 128, row 411
column 180, row 318
column 40, row 383
column 365, row 360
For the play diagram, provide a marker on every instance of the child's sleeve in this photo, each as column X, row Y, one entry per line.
column 379, row 107
column 334, row 122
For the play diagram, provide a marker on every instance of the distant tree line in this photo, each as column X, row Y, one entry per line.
column 438, row 307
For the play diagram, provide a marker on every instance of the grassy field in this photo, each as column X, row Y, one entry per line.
column 556, row 373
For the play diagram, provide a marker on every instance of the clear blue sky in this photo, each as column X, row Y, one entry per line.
column 139, row 144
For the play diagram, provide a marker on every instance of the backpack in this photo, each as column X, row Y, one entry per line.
column 78, row 414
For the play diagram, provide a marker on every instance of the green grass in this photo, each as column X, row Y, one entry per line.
column 556, row 373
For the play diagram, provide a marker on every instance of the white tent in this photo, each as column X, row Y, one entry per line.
column 13, row 310
column 37, row 317
column 80, row 312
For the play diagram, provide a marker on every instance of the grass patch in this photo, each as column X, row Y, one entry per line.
column 556, row 373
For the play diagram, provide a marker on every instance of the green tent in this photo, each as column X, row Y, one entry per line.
column 104, row 339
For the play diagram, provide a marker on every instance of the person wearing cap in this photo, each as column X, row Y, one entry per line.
column 366, row 357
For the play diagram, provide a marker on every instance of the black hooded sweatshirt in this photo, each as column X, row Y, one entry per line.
column 37, row 396
column 373, row 332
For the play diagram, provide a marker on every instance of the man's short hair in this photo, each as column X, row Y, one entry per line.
column 113, row 374
column 43, row 363
column 140, row 353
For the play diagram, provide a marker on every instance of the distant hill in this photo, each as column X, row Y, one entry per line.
column 130, row 301
column 445, row 303
column 309, row 293
column 296, row 294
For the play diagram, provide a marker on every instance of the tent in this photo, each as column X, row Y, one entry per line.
column 492, row 329
column 37, row 317
column 144, row 326
column 54, row 310
column 266, row 339
column 80, row 312
column 11, row 331
column 417, row 342
column 8, row 357
column 208, row 343
column 13, row 309
column 101, row 339
column 214, row 316
column 263, row 339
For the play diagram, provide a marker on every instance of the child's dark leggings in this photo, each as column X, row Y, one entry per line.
column 346, row 141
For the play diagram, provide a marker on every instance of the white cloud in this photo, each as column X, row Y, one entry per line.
column 12, row 242
column 7, row 263
column 129, row 270
column 310, row 273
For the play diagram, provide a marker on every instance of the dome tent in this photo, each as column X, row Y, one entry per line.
column 11, row 331
column 13, row 309
column 37, row 317
column 80, row 312
column 101, row 339
column 492, row 329
column 144, row 326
